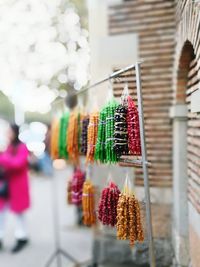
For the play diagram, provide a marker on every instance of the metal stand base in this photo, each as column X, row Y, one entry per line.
column 57, row 256
column 59, row 252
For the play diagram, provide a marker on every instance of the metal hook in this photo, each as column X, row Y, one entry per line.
column 109, row 178
column 118, row 79
column 80, row 102
column 89, row 172
column 125, row 94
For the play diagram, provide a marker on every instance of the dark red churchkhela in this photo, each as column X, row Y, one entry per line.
column 107, row 211
column 133, row 128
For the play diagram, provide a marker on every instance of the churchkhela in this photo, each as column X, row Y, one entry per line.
column 107, row 210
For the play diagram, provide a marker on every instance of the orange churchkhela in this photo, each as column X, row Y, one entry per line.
column 72, row 137
column 88, row 203
column 69, row 191
column 129, row 224
column 92, row 136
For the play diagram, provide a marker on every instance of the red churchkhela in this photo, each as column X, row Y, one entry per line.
column 107, row 211
column 77, row 187
column 133, row 128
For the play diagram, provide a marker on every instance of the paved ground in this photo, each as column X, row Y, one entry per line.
column 74, row 240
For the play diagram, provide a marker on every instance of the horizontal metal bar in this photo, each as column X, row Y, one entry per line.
column 112, row 76
column 134, row 161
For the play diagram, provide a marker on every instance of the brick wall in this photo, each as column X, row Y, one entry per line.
column 187, row 73
column 186, row 81
column 153, row 21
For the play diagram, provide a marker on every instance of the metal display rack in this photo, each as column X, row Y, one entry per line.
column 128, row 160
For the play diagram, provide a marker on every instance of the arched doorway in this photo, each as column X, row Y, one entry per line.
column 182, row 123
column 183, row 76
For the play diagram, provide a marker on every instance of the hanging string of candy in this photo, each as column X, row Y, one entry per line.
column 100, row 150
column 92, row 136
column 81, row 117
column 107, row 210
column 129, row 225
column 63, row 153
column 133, row 128
column 69, row 191
column 77, row 186
column 120, row 131
column 72, row 137
column 105, row 140
column 88, row 203
column 84, row 135
column 111, row 156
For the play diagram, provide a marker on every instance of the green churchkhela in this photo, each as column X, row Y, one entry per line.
column 105, row 140
column 62, row 144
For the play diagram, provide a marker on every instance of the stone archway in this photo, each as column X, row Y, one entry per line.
column 180, row 114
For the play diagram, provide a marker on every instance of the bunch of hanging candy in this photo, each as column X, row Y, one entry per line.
column 115, row 208
column 100, row 136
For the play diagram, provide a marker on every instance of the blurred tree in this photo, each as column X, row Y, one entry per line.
column 43, row 50
column 82, row 11
column 6, row 108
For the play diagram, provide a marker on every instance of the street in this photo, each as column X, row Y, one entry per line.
column 76, row 241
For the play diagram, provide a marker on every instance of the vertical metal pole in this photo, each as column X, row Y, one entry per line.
column 145, row 167
column 56, row 219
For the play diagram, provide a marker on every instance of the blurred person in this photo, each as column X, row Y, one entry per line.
column 47, row 140
column 45, row 162
column 15, row 194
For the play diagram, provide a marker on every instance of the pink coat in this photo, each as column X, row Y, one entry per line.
column 16, row 168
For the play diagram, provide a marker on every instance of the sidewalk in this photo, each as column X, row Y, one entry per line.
column 74, row 240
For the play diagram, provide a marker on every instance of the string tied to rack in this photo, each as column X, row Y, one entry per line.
column 125, row 94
